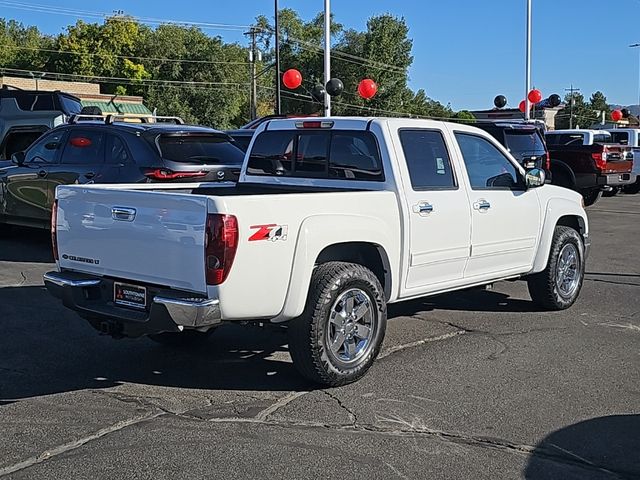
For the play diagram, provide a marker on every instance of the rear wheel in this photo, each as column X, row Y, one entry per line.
column 188, row 338
column 557, row 287
column 340, row 333
column 591, row 197
column 5, row 229
column 611, row 193
column 633, row 188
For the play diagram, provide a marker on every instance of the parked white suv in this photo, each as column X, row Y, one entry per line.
column 332, row 220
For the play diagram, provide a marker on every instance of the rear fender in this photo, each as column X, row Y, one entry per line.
column 321, row 231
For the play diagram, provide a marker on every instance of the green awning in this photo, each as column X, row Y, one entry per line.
column 123, row 107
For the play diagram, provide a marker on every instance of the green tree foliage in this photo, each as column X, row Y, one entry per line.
column 183, row 71
column 382, row 53
column 585, row 114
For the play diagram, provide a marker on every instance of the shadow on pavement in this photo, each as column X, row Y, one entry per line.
column 479, row 300
column 46, row 349
column 26, row 245
column 603, row 447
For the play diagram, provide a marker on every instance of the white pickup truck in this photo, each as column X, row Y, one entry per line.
column 332, row 220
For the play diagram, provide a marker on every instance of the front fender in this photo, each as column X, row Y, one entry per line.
column 321, row 231
column 556, row 208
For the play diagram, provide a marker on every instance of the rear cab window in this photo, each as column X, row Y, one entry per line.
column 199, row 148
column 337, row 154
column 525, row 141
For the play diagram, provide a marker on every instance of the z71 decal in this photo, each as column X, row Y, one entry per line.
column 269, row 232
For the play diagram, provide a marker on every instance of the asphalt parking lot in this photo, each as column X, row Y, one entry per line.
column 473, row 385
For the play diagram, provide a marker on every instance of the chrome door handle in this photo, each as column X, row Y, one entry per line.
column 123, row 214
column 423, row 208
column 481, row 205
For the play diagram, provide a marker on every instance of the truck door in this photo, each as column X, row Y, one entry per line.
column 438, row 209
column 505, row 216
column 27, row 186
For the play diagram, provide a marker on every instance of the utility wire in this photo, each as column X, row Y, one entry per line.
column 177, row 60
column 133, row 81
column 93, row 14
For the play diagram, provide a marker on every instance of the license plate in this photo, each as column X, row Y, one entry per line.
column 129, row 295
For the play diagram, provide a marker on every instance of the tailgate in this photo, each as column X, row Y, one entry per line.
column 618, row 159
column 140, row 236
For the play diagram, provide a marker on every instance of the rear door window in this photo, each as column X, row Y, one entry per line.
column 427, row 159
column 116, row 152
column 317, row 154
column 84, row 147
column 205, row 149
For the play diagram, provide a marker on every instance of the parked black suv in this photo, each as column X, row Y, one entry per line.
column 524, row 140
column 106, row 151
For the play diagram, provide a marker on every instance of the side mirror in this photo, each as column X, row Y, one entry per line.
column 535, row 178
column 18, row 158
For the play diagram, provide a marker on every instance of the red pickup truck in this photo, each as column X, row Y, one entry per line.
column 583, row 161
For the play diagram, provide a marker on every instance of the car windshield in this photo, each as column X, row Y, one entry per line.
column 524, row 142
column 206, row 149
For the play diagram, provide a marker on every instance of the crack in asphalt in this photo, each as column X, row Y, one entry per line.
column 564, row 457
column 352, row 415
column 66, row 447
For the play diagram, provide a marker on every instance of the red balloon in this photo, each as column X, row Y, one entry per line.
column 292, row 78
column 616, row 115
column 523, row 106
column 535, row 96
column 367, row 88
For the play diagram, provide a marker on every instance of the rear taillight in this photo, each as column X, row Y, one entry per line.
column 166, row 174
column 221, row 243
column 547, row 162
column 601, row 159
column 54, row 226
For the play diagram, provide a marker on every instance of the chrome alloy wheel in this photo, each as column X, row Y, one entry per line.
column 568, row 270
column 352, row 324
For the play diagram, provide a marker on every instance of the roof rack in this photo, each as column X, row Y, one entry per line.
column 109, row 119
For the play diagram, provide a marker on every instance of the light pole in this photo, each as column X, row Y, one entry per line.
column 277, row 25
column 327, row 54
column 527, row 111
column 636, row 45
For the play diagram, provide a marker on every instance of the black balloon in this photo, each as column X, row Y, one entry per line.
column 555, row 100
column 335, row 87
column 625, row 113
column 500, row 101
column 318, row 93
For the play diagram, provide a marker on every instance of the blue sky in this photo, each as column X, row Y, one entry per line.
column 466, row 51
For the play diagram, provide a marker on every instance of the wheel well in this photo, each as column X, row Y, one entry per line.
column 573, row 221
column 366, row 254
column 561, row 169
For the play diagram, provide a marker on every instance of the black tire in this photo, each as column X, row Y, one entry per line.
column 5, row 229
column 333, row 284
column 187, row 338
column 543, row 286
column 611, row 193
column 633, row 188
column 591, row 197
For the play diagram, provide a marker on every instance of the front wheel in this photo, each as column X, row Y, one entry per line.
column 557, row 287
column 340, row 333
